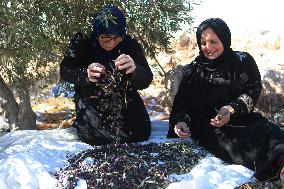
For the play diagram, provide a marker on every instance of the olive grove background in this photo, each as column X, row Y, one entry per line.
column 35, row 33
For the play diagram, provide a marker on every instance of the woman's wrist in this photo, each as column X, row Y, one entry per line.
column 230, row 109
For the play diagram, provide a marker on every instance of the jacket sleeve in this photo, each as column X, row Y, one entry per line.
column 248, row 86
column 142, row 77
column 71, row 67
column 179, row 111
column 182, row 98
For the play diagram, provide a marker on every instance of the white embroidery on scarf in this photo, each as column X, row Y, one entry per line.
column 247, row 100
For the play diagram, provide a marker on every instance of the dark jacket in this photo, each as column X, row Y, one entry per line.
column 91, row 115
column 236, row 82
column 248, row 139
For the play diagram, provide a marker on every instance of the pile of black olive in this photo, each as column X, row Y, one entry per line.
column 130, row 165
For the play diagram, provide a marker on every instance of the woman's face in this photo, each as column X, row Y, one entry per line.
column 108, row 42
column 211, row 46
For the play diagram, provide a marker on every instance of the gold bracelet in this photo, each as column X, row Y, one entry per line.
column 230, row 109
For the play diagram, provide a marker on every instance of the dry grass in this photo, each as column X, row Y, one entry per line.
column 53, row 105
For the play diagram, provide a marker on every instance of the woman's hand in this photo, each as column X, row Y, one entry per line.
column 95, row 70
column 182, row 130
column 125, row 62
column 222, row 118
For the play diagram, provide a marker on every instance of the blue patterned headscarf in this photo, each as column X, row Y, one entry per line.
column 110, row 20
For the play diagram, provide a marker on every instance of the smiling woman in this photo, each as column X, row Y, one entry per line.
column 211, row 46
column 229, row 82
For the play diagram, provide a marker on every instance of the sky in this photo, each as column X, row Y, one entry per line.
column 243, row 15
column 29, row 158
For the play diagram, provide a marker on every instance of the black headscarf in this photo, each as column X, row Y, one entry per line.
column 219, row 27
column 224, row 34
column 110, row 20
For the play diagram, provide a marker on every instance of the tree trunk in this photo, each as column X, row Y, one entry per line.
column 9, row 105
column 26, row 116
column 19, row 116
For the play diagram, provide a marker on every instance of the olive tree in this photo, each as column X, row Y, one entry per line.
column 35, row 33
